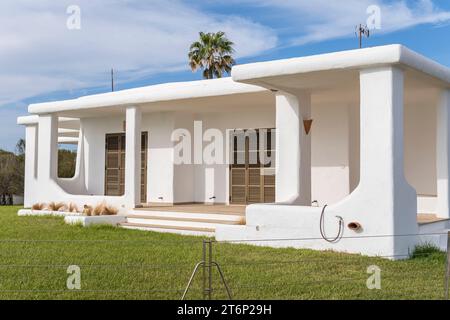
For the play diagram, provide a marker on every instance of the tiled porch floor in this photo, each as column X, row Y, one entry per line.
column 240, row 210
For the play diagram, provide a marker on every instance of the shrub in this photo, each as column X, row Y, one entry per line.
column 72, row 207
column 425, row 250
column 87, row 210
column 55, row 206
column 110, row 211
column 103, row 209
column 38, row 206
column 98, row 209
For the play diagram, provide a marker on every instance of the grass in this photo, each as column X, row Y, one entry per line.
column 35, row 253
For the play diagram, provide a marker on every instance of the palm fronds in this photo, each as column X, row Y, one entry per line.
column 212, row 53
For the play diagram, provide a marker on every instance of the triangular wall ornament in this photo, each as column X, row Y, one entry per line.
column 307, row 124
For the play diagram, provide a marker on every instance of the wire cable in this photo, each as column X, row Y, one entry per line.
column 322, row 227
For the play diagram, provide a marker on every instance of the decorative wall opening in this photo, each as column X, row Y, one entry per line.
column 67, row 160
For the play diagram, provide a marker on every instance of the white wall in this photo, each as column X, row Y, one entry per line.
column 95, row 130
column 330, row 153
column 183, row 180
column 160, row 171
column 212, row 180
column 420, row 147
column 198, row 183
column 160, row 156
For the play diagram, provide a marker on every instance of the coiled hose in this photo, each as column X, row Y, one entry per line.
column 322, row 227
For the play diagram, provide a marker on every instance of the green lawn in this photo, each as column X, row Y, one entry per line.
column 127, row 264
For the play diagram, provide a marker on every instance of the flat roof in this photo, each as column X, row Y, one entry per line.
column 154, row 93
column 33, row 119
column 249, row 78
column 394, row 54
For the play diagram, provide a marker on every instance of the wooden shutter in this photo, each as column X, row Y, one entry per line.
column 238, row 183
column 113, row 174
column 252, row 180
column 144, row 148
column 115, row 165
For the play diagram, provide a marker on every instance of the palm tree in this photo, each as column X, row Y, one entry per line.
column 212, row 53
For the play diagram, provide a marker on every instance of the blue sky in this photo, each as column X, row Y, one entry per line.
column 147, row 41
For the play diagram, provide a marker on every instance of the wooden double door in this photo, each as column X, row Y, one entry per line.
column 115, row 165
column 252, row 168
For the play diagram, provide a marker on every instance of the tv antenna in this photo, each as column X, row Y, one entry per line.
column 362, row 31
column 112, row 80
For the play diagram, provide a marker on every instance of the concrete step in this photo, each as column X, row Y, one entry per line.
column 184, row 230
column 186, row 223
column 187, row 217
column 183, row 211
column 174, row 223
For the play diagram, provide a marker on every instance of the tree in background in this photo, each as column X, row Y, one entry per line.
column 11, row 176
column 212, row 53
column 20, row 167
column 66, row 163
column 12, row 168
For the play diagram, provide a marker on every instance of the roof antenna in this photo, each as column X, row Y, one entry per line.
column 112, row 80
column 362, row 31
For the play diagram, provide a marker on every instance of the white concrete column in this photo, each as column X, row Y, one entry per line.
column 385, row 190
column 47, row 167
column 133, row 157
column 31, row 162
column 293, row 156
column 443, row 155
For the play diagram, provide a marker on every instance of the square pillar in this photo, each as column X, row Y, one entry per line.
column 47, row 167
column 443, row 155
column 133, row 157
column 385, row 192
column 293, row 149
column 30, row 165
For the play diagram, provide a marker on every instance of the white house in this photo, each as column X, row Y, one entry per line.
column 377, row 152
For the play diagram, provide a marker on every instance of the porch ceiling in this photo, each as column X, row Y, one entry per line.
column 343, row 86
column 335, row 76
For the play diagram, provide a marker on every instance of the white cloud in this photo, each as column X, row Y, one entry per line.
column 320, row 20
column 38, row 54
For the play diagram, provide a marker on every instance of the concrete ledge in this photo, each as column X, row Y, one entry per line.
column 42, row 213
column 86, row 221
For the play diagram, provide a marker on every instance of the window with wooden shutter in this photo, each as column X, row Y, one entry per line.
column 115, row 165
column 252, row 171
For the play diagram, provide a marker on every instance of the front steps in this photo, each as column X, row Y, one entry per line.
column 186, row 223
